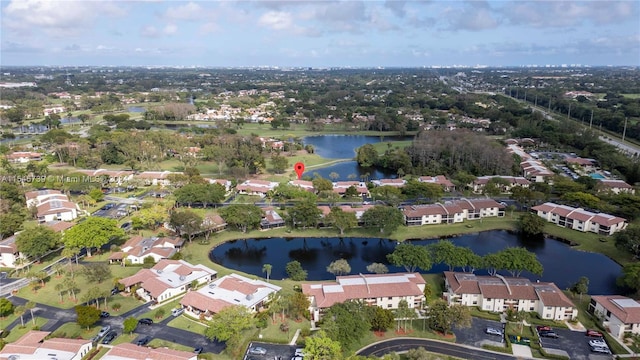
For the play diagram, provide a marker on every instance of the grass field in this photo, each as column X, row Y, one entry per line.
column 20, row 330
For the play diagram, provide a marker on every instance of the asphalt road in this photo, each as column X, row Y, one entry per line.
column 161, row 330
column 405, row 344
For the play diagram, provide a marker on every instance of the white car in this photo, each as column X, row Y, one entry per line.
column 493, row 331
column 597, row 343
column 177, row 312
column 299, row 352
column 103, row 331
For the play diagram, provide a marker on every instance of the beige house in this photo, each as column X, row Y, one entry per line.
column 35, row 346
column 615, row 186
column 620, row 315
column 52, row 205
column 441, row 180
column 228, row 291
column 580, row 219
column 256, row 187
column 498, row 293
column 383, row 290
column 167, row 279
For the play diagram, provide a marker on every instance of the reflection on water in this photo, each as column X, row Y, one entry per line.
column 562, row 264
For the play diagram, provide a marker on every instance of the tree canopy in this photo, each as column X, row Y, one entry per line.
column 242, row 217
column 37, row 241
column 410, row 257
column 229, row 322
column 92, row 233
column 385, row 218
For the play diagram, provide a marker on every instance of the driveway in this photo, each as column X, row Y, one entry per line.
column 575, row 343
column 274, row 351
column 476, row 336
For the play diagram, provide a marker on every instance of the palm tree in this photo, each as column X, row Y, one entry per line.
column 266, row 268
column 29, row 306
column 60, row 289
column 19, row 310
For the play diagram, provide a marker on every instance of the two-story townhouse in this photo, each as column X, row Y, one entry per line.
column 614, row 186
column 580, row 219
column 35, row 345
column 383, row 290
column 480, row 182
column 620, row 315
column 498, row 293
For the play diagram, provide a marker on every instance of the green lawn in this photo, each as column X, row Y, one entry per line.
column 158, row 343
column 188, row 324
column 167, row 310
column 273, row 333
column 20, row 330
column 72, row 330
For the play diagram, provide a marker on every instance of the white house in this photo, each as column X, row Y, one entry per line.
column 451, row 211
column 256, row 187
column 390, row 182
column 535, row 171
column 383, row 290
column 341, row 187
column 304, row 184
column 23, row 157
column 619, row 314
column 35, row 346
column 498, row 293
column 167, row 279
column 52, row 205
column 480, row 182
column 580, row 219
column 137, row 248
column 155, row 177
column 615, row 186
column 227, row 291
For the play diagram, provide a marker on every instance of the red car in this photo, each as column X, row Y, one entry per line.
column 594, row 333
column 543, row 328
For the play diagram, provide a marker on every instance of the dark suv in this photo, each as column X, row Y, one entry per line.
column 145, row 321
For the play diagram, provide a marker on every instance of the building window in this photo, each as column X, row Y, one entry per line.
column 390, row 297
column 531, row 308
column 388, row 305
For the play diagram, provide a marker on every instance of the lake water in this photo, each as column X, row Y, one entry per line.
column 562, row 264
column 344, row 147
column 136, row 109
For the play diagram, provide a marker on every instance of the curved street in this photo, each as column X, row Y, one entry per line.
column 381, row 348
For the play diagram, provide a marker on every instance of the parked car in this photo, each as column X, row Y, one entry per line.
column 299, row 352
column 144, row 341
column 493, row 331
column 105, row 329
column 104, row 314
column 177, row 312
column 598, row 342
column 549, row 334
column 145, row 321
column 543, row 328
column 257, row 350
column 601, row 350
column 115, row 290
column 198, row 350
column 109, row 337
column 594, row 333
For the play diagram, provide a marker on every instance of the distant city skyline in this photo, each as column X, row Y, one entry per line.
column 320, row 34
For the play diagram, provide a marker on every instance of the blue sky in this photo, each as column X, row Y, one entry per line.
column 319, row 33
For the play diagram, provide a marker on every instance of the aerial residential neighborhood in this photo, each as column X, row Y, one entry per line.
column 324, row 180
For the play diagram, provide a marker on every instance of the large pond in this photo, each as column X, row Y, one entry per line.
column 344, row 147
column 562, row 264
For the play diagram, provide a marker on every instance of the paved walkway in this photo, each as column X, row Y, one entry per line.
column 521, row 351
column 576, row 327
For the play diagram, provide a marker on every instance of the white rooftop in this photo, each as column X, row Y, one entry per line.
column 626, row 303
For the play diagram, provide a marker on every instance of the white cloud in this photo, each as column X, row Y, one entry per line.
column 473, row 16
column 209, row 27
column 545, row 14
column 188, row 11
column 57, row 18
column 150, row 31
column 170, row 29
column 276, row 20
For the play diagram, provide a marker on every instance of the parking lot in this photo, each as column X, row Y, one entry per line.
column 274, row 352
column 575, row 343
column 113, row 211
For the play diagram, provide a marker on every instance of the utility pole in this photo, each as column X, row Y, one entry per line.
column 624, row 132
column 569, row 113
column 591, row 122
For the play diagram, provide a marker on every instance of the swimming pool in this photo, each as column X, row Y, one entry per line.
column 596, row 176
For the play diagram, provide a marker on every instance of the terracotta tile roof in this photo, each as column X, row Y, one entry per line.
column 513, row 180
column 625, row 309
column 34, row 194
column 199, row 301
column 579, row 161
column 607, row 220
column 356, row 287
column 59, row 226
column 615, row 184
column 439, row 179
column 506, row 288
column 129, row 351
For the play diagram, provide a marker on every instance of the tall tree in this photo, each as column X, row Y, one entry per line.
column 229, row 322
column 581, row 286
column 531, row 224
column 366, row 155
column 242, row 216
column 93, row 232
column 385, row 218
column 442, row 317
column 518, row 259
column 295, row 271
column 342, row 220
column 629, row 240
column 346, row 322
column 410, row 257
column 304, row 214
column 630, row 276
column 322, row 347
column 186, row 222
column 339, row 267
column 377, row 268
column 266, row 268
column 87, row 315
column 129, row 324
column 447, row 253
column 38, row 241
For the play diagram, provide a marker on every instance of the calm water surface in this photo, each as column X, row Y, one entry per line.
column 562, row 264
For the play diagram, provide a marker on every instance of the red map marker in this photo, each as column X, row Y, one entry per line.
column 299, row 168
